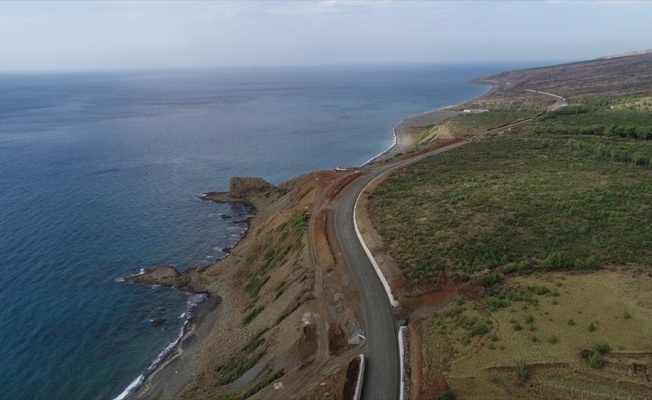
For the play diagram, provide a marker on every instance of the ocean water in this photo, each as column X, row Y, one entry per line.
column 100, row 175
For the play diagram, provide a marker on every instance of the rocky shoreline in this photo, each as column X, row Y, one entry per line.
column 181, row 365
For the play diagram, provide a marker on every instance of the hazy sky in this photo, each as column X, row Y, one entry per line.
column 131, row 34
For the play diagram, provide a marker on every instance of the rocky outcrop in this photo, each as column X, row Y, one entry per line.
column 256, row 193
column 250, row 186
column 164, row 275
column 246, row 190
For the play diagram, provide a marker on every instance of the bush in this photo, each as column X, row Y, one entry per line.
column 595, row 360
column 447, row 395
column 602, row 348
column 523, row 372
column 490, row 280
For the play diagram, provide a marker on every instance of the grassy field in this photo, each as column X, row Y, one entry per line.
column 622, row 117
column 476, row 123
column 536, row 340
column 553, row 219
column 495, row 118
column 517, row 203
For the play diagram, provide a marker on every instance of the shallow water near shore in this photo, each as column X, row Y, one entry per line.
column 100, row 175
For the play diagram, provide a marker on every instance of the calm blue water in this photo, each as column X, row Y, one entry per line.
column 100, row 175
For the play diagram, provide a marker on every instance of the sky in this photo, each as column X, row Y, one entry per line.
column 92, row 35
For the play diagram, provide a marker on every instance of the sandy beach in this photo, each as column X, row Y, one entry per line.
column 405, row 132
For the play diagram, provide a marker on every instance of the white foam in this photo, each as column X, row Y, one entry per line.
column 423, row 113
column 191, row 304
column 131, row 388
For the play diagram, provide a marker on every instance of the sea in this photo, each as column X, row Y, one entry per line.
column 101, row 175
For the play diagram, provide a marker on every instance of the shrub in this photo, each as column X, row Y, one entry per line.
column 571, row 322
column 490, row 280
column 627, row 315
column 595, row 360
column 592, row 327
column 523, row 372
column 602, row 348
column 553, row 339
column 447, row 395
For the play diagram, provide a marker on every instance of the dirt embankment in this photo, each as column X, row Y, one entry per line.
column 286, row 306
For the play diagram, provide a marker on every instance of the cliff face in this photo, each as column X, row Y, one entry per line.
column 164, row 275
column 270, row 312
column 243, row 187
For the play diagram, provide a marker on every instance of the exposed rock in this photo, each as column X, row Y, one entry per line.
column 158, row 321
column 246, row 186
column 165, row 275
column 242, row 190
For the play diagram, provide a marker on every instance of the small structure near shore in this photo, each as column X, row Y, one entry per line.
column 475, row 110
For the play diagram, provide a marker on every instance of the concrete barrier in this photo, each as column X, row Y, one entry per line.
column 402, row 339
column 388, row 290
column 358, row 386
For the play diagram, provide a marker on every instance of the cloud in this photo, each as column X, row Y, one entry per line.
column 221, row 9
column 323, row 7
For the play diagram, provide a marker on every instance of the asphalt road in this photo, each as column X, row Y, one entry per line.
column 382, row 380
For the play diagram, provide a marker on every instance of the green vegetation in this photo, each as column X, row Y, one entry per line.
column 285, row 239
column 516, row 204
column 447, row 395
column 252, row 315
column 594, row 358
column 232, row 371
column 523, row 372
column 602, row 117
column 505, row 298
column 269, row 378
column 292, row 309
column 279, row 289
column 255, row 342
column 263, row 383
column 495, row 118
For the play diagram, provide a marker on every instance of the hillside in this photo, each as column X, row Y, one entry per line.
column 522, row 256
column 612, row 77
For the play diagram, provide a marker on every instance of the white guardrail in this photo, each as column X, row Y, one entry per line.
column 358, row 386
column 402, row 332
column 388, row 290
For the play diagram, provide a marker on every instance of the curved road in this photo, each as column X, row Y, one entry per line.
column 382, row 380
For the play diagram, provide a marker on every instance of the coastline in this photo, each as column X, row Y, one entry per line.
column 176, row 367
column 404, row 134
